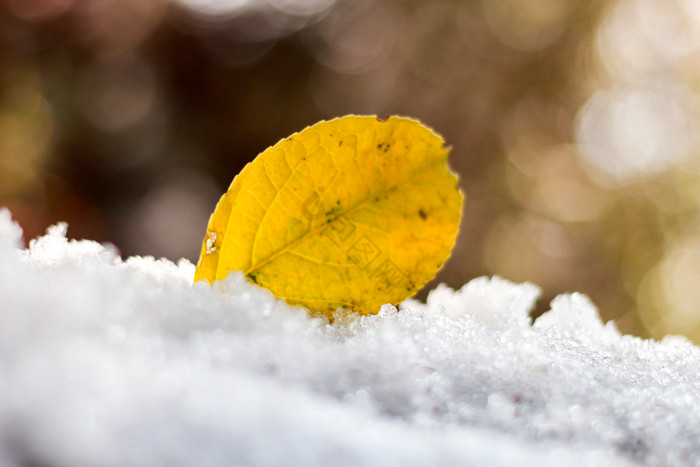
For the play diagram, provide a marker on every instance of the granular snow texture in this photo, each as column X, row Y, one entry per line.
column 111, row 362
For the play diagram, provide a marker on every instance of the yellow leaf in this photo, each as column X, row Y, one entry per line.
column 353, row 212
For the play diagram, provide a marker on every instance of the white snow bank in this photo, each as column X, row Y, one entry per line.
column 105, row 362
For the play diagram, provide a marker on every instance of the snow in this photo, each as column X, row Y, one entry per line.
column 111, row 362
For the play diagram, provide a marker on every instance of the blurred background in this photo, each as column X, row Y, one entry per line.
column 574, row 125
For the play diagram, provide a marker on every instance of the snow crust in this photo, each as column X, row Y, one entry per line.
column 111, row 362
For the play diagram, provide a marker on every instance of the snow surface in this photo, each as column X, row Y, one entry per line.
column 111, row 362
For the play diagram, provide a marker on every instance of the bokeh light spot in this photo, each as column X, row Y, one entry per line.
column 627, row 132
column 527, row 26
column 171, row 219
column 116, row 92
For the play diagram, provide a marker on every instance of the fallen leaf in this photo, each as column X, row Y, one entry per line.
column 353, row 212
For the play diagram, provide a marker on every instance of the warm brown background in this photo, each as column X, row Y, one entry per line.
column 574, row 125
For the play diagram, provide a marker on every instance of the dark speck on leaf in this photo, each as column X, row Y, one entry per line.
column 332, row 212
column 422, row 214
column 253, row 277
column 384, row 147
